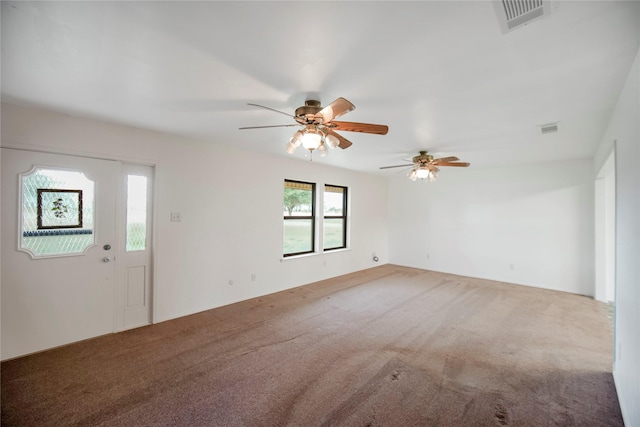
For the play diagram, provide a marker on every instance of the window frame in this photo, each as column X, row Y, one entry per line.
column 344, row 216
column 129, row 246
column 34, row 234
column 311, row 217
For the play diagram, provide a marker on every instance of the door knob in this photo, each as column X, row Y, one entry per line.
column 106, row 259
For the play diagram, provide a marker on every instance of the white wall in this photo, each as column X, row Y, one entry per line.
column 525, row 224
column 231, row 223
column 624, row 132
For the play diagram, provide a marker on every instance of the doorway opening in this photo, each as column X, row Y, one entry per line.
column 605, row 231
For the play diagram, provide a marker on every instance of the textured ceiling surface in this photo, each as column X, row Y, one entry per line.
column 441, row 74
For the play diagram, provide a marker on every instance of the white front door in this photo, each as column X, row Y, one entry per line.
column 52, row 297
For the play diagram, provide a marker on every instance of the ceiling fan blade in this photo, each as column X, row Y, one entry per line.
column 271, row 126
column 408, row 165
column 445, row 159
column 459, row 164
column 344, row 142
column 361, row 127
column 336, row 109
column 272, row 109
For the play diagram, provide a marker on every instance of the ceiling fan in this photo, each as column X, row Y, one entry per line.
column 319, row 126
column 424, row 166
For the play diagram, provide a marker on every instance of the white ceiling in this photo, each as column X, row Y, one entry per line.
column 441, row 74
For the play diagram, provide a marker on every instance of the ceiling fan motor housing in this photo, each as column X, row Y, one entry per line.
column 307, row 113
column 422, row 159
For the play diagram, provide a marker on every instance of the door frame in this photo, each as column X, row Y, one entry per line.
column 605, row 227
column 120, row 216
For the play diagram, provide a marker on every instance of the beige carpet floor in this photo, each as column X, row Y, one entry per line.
column 388, row 346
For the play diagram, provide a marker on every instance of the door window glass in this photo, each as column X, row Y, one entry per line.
column 56, row 213
column 136, row 213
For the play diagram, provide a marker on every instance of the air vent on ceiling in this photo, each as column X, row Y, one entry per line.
column 516, row 13
column 549, row 128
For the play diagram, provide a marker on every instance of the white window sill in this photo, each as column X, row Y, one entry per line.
column 314, row 254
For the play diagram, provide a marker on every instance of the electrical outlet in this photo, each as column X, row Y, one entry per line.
column 175, row 217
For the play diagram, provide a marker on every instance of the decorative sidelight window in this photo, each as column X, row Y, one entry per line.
column 57, row 208
column 136, row 213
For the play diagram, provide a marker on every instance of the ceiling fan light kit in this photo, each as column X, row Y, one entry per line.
column 319, row 127
column 425, row 167
column 422, row 173
column 311, row 138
